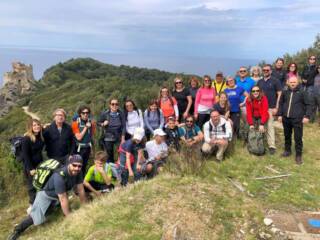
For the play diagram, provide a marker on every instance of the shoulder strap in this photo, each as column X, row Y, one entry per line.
column 171, row 101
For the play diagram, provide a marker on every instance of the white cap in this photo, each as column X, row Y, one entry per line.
column 138, row 134
column 159, row 132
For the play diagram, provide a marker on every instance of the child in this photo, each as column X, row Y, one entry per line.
column 172, row 133
column 98, row 179
column 130, row 155
column 157, row 151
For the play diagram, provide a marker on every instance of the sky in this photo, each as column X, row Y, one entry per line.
column 246, row 29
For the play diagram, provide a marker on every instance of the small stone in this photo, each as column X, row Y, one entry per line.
column 274, row 230
column 267, row 221
column 251, row 231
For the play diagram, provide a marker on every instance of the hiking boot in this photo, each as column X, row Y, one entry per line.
column 286, row 154
column 13, row 236
column 299, row 160
column 272, row 151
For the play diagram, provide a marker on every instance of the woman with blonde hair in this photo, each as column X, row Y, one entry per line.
column 183, row 97
column 32, row 146
column 256, row 73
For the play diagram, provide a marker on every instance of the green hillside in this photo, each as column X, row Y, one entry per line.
column 190, row 205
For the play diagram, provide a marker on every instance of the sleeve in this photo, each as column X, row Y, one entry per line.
column 89, row 174
column 75, row 127
column 281, row 103
column 197, row 100
column 146, row 121
column 264, row 110
column 59, row 184
column 206, row 132
column 304, row 73
column 278, row 86
column 175, row 106
column 94, row 127
column 79, row 179
column 102, row 118
column 26, row 154
column 141, row 118
column 228, row 131
column 149, row 148
column 161, row 119
column 249, row 112
column 181, row 132
column 197, row 129
column 187, row 92
column 308, row 107
column 72, row 142
column 123, row 123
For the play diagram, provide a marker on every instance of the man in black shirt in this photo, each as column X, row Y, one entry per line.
column 308, row 75
column 271, row 87
column 58, row 137
column 55, row 190
column 279, row 73
column 294, row 111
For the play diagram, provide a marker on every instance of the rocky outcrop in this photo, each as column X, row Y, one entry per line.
column 16, row 84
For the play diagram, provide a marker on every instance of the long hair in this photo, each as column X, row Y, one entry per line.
column 83, row 107
column 125, row 109
column 251, row 97
column 227, row 102
column 30, row 132
column 194, row 79
column 295, row 71
column 207, row 76
column 164, row 87
column 175, row 79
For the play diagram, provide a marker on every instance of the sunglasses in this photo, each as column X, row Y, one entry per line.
column 114, row 104
column 178, row 82
column 207, row 81
column 312, row 58
column 243, row 71
column 78, row 166
column 85, row 113
column 266, row 70
column 255, row 91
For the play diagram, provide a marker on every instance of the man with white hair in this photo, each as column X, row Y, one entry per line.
column 294, row 111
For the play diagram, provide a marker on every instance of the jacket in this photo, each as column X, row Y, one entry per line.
column 294, row 103
column 257, row 109
column 309, row 73
column 222, row 131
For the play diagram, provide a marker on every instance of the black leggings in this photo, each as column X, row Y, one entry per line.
column 109, row 147
column 31, row 190
column 203, row 118
column 235, row 117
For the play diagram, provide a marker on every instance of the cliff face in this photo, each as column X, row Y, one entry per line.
column 18, row 82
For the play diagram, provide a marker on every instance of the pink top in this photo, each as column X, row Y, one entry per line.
column 205, row 99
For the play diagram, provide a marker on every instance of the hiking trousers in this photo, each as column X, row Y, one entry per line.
column 270, row 133
column 209, row 148
column 293, row 125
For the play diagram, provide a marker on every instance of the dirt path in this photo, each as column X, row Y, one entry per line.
column 31, row 114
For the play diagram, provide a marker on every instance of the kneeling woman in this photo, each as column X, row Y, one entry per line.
column 131, row 156
column 257, row 109
column 32, row 146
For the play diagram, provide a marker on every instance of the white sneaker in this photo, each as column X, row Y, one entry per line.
column 29, row 209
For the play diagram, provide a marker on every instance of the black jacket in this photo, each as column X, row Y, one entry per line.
column 294, row 103
column 309, row 73
column 58, row 145
column 116, row 126
column 31, row 153
column 281, row 75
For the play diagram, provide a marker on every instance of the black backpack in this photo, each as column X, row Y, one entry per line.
column 16, row 147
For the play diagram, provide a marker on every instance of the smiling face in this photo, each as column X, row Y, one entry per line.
column 153, row 107
column 114, row 105
column 74, row 168
column 279, row 64
column 223, row 98
column 243, row 72
column 59, row 117
column 215, row 117
column 85, row 114
column 292, row 68
column 266, row 71
column 164, row 92
column 312, row 60
column 207, row 82
column 231, row 82
column 293, row 82
column 36, row 128
column 129, row 106
column 255, row 91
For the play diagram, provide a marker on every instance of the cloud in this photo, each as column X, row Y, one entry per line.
column 198, row 27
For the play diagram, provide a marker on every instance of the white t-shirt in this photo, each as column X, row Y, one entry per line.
column 134, row 121
column 154, row 149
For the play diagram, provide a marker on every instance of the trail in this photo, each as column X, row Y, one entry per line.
column 31, row 114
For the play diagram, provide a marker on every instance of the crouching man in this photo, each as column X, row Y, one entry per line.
column 217, row 134
column 54, row 192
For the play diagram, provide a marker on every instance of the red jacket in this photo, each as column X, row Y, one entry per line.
column 257, row 109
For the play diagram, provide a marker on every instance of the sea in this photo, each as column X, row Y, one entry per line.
column 42, row 59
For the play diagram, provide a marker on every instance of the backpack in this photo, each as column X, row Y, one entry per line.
column 255, row 143
column 16, row 147
column 223, row 127
column 192, row 130
column 43, row 173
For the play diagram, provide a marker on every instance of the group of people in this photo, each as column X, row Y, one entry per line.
column 135, row 144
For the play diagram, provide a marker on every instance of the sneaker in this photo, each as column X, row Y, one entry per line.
column 299, row 160
column 272, row 151
column 286, row 154
column 13, row 236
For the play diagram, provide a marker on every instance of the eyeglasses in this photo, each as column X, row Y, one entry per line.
column 243, row 71
column 266, row 70
column 114, row 104
column 312, row 58
column 178, row 82
column 85, row 113
column 207, row 80
column 255, row 91
column 78, row 166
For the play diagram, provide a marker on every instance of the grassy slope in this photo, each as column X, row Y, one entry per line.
column 205, row 206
